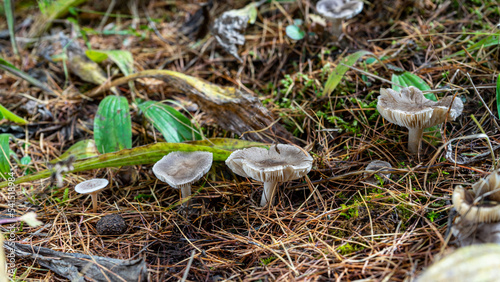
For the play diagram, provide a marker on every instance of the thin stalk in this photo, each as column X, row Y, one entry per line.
column 94, row 201
column 268, row 193
column 414, row 137
column 186, row 193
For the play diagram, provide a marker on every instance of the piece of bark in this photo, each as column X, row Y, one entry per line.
column 80, row 267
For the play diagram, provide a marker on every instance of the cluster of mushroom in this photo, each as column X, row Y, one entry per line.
column 278, row 164
column 181, row 169
column 479, row 210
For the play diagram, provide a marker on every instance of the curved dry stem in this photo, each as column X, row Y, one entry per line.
column 268, row 193
column 414, row 137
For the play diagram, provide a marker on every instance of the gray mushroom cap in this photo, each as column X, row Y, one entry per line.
column 180, row 169
column 375, row 166
column 339, row 9
column 270, row 165
column 410, row 108
column 91, row 185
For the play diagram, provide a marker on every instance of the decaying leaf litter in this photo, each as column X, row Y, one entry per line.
column 331, row 225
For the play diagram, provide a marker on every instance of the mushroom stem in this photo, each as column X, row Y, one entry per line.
column 94, row 201
column 268, row 194
column 336, row 29
column 414, row 137
column 185, row 192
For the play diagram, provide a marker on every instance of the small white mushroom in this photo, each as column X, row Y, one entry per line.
column 181, row 169
column 410, row 108
column 338, row 10
column 92, row 187
column 278, row 164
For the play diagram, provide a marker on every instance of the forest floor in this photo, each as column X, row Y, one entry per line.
column 332, row 225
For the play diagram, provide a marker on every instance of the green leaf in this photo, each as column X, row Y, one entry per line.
column 498, row 95
column 407, row 79
column 8, row 67
column 81, row 150
column 336, row 76
column 294, row 32
column 4, row 113
column 174, row 126
column 26, row 160
column 123, row 59
column 112, row 125
column 4, row 155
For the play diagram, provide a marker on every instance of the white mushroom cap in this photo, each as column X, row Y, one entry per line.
column 180, row 169
column 91, row 185
column 463, row 201
column 339, row 9
column 375, row 166
column 410, row 108
column 274, row 165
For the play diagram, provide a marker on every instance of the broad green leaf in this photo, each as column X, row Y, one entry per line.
column 295, row 32
column 174, row 126
column 81, row 150
column 227, row 143
column 8, row 67
column 409, row 79
column 4, row 155
column 4, row 113
column 498, row 95
column 123, row 59
column 336, row 76
column 112, row 125
column 147, row 154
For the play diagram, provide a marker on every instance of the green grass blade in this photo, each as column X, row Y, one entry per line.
column 6, row 66
column 9, row 14
column 113, row 125
column 338, row 73
column 4, row 155
column 498, row 95
column 173, row 125
column 492, row 40
column 5, row 113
